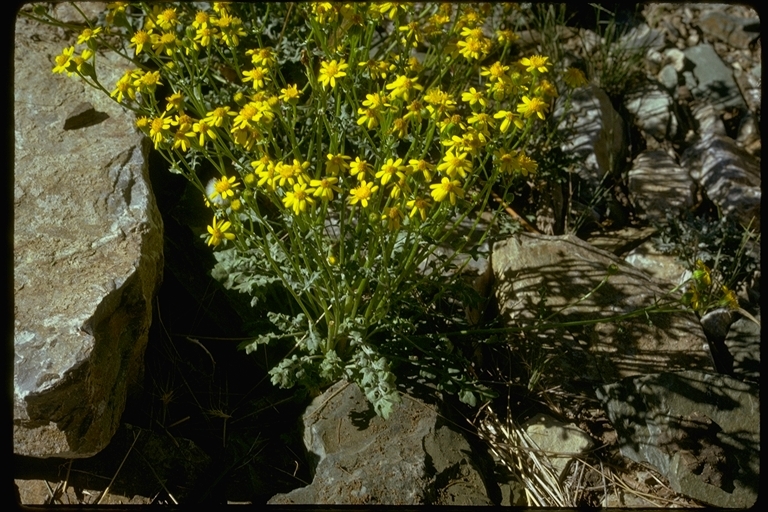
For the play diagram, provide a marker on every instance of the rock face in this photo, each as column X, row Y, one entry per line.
column 659, row 185
column 538, row 275
column 87, row 255
column 729, row 175
column 560, row 442
column 700, row 430
column 597, row 130
column 362, row 459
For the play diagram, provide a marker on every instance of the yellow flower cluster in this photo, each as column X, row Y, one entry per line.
column 463, row 131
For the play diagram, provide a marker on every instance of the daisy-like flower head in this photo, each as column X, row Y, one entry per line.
column 167, row 19
column 495, row 72
column 87, row 34
column 62, row 61
column 218, row 232
column 362, row 193
column 389, row 170
column 206, row 131
column 402, row 87
column 573, row 77
column 535, row 62
column 454, row 164
column 368, row 118
column 393, row 216
column 290, row 94
column 509, row 119
column 299, row 198
column 218, row 116
column 202, row 19
column 159, row 129
column 473, row 96
column 166, row 42
column 359, row 168
column 729, row 299
column 330, row 71
column 422, row 167
column 447, row 189
column 419, row 205
column 532, row 106
column 174, row 102
column 258, row 76
column 336, row 164
column 325, row 187
column 526, row 165
column 506, row 36
column 223, row 188
column 203, row 36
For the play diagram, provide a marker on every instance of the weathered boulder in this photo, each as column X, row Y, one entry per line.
column 700, row 430
column 729, row 175
column 87, row 253
column 595, row 132
column 743, row 342
column 555, row 277
column 729, row 29
column 714, row 81
column 658, row 185
column 363, row 459
column 559, row 442
column 653, row 111
column 664, row 268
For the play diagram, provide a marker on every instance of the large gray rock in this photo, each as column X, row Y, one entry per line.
column 743, row 342
column 729, row 29
column 595, row 133
column 659, row 185
column 363, row 459
column 700, row 430
column 714, row 81
column 537, row 276
column 729, row 175
column 87, row 253
column 653, row 111
column 559, row 442
column 664, row 268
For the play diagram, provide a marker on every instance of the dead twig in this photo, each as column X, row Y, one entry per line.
column 106, row 491
column 512, row 213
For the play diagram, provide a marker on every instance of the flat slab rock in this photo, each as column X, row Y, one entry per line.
column 363, row 459
column 700, row 430
column 538, row 275
column 87, row 253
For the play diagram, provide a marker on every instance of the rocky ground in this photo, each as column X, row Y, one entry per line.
column 633, row 414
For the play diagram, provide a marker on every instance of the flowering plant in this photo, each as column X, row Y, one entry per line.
column 351, row 142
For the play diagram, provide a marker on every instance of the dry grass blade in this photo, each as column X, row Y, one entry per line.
column 519, row 453
column 106, row 491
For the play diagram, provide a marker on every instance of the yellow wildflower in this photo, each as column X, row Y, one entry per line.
column 532, row 106
column 336, row 164
column 62, row 61
column 418, row 205
column 393, row 216
column 574, row 77
column 447, row 188
column 330, row 71
column 362, row 193
column 218, row 232
column 402, row 87
column 325, row 187
column 389, row 170
column 535, row 62
column 299, row 198
column 87, row 34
